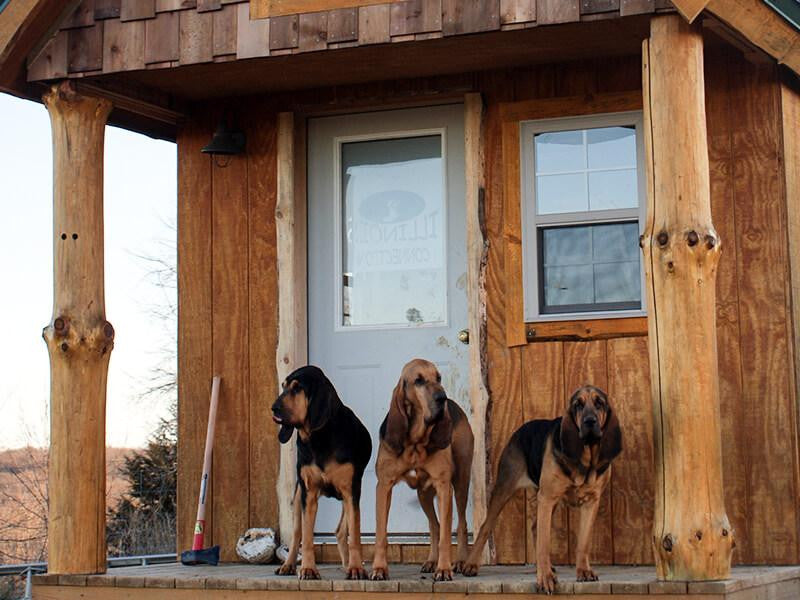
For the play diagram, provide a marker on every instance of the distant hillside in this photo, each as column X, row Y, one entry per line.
column 23, row 500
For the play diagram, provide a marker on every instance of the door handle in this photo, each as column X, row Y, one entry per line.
column 463, row 336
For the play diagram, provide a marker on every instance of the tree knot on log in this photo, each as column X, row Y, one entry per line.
column 66, row 335
column 667, row 543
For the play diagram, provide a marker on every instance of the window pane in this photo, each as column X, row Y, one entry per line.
column 613, row 189
column 561, row 194
column 568, row 285
column 611, row 147
column 616, row 242
column 590, row 268
column 567, row 246
column 617, row 282
column 393, row 258
column 559, row 151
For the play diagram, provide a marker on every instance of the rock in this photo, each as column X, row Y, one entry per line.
column 257, row 545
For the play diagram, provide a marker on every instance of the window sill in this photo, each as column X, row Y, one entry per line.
column 585, row 329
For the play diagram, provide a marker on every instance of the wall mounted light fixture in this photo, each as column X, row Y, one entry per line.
column 226, row 142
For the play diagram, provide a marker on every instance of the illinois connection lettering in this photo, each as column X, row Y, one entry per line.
column 413, row 244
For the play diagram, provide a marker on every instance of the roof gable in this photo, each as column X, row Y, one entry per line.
column 23, row 25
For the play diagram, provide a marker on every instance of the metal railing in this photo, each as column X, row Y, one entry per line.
column 28, row 570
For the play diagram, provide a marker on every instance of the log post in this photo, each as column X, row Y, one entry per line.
column 692, row 538
column 79, row 339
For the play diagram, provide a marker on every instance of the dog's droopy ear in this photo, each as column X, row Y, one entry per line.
column 397, row 420
column 570, row 436
column 285, row 434
column 323, row 402
column 442, row 432
column 611, row 443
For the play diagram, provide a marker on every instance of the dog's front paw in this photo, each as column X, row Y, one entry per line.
column 355, row 573
column 546, row 581
column 308, row 573
column 443, row 575
column 470, row 569
column 429, row 566
column 286, row 569
column 586, row 575
column 458, row 566
column 379, row 574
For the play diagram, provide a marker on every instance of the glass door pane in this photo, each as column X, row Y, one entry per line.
column 394, row 268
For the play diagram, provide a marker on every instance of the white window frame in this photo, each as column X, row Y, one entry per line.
column 531, row 222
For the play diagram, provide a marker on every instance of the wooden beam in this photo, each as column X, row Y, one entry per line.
column 79, row 339
column 290, row 219
column 477, row 255
column 133, row 105
column 692, row 538
column 761, row 26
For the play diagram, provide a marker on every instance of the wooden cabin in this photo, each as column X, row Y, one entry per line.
column 535, row 194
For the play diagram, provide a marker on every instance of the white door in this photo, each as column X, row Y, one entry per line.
column 386, row 268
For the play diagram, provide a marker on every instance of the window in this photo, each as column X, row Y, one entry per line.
column 392, row 217
column 582, row 213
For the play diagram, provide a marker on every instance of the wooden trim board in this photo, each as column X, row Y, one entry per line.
column 594, row 329
column 511, row 114
column 262, row 9
column 477, row 255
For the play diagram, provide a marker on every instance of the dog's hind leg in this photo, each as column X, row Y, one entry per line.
column 426, row 502
column 341, row 538
column 511, row 476
column 288, row 566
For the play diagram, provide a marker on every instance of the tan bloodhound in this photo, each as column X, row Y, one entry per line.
column 426, row 441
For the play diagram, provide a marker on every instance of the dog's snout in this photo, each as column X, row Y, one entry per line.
column 440, row 396
column 590, row 420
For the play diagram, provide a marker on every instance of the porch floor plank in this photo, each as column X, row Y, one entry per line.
column 259, row 581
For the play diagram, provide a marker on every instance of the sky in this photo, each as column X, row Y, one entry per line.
column 140, row 196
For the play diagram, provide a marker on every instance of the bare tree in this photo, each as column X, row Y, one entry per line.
column 143, row 519
column 23, row 505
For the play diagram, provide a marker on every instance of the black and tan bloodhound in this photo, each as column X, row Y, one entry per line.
column 333, row 448
column 427, row 442
column 566, row 458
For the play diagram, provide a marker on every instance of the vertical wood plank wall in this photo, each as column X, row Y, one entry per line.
column 227, row 312
column 228, row 322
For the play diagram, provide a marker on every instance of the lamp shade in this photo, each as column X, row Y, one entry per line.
column 225, row 141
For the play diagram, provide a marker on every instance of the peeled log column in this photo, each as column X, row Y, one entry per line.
column 692, row 538
column 79, row 339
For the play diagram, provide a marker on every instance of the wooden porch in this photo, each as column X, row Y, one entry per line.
column 242, row 229
column 259, row 581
